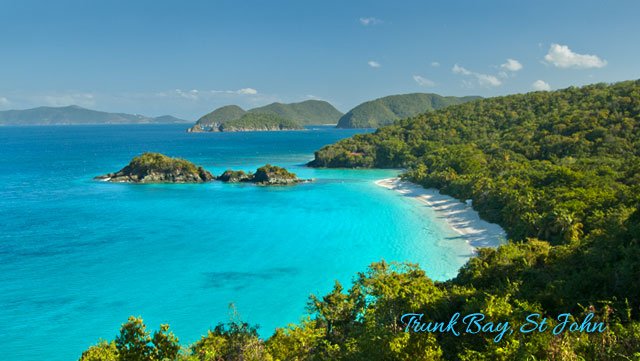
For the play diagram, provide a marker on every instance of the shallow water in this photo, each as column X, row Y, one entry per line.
column 77, row 257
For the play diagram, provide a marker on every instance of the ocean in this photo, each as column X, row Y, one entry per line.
column 77, row 256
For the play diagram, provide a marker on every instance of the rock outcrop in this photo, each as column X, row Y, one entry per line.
column 265, row 175
column 158, row 168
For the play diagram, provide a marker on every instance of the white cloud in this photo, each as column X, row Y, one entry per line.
column 562, row 57
column 4, row 102
column 370, row 21
column 435, row 64
column 487, row 80
column 457, row 69
column 482, row 79
column 511, row 65
column 312, row 97
column 193, row 94
column 541, row 85
column 247, row 91
column 374, row 64
column 422, row 81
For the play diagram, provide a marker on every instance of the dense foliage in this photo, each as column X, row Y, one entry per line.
column 158, row 168
column 266, row 175
column 220, row 115
column 266, row 172
column 384, row 111
column 260, row 121
column 559, row 170
column 306, row 112
column 554, row 165
column 157, row 162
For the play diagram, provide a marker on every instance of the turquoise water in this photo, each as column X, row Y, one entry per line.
column 77, row 257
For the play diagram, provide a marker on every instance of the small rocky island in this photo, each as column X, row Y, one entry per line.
column 265, row 175
column 158, row 168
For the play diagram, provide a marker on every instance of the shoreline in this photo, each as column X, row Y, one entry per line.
column 459, row 216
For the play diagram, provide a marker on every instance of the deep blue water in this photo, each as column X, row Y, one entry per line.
column 77, row 257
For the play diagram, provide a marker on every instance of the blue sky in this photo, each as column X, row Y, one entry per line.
column 189, row 57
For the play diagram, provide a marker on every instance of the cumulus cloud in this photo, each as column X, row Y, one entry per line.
column 422, row 81
column 193, row 94
column 541, row 85
column 247, row 91
column 511, row 65
column 562, row 57
column 482, row 79
column 374, row 64
column 4, row 102
column 312, row 97
column 487, row 80
column 370, row 21
column 457, row 69
column 435, row 64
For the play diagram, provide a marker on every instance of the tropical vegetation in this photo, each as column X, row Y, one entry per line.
column 384, row 111
column 558, row 170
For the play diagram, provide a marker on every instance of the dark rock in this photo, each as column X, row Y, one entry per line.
column 265, row 175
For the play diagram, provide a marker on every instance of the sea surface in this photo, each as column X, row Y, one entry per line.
column 77, row 256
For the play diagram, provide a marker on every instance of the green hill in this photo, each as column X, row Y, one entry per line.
column 75, row 115
column 213, row 120
column 384, row 111
column 303, row 113
column 306, row 112
column 259, row 122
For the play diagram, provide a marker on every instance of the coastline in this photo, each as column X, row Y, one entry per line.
column 459, row 216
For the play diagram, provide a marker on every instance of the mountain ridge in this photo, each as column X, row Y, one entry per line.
column 307, row 112
column 77, row 115
column 386, row 110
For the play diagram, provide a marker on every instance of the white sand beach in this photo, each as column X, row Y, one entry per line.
column 460, row 216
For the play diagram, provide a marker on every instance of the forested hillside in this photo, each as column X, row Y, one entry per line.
column 384, row 111
column 306, row 112
column 558, row 170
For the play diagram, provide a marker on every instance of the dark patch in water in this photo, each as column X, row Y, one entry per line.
column 52, row 250
column 237, row 280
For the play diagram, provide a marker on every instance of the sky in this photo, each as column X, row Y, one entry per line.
column 187, row 58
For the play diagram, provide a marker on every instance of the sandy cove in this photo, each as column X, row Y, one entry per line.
column 461, row 217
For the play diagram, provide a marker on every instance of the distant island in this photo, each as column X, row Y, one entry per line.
column 372, row 114
column 159, row 168
column 280, row 117
column 384, row 111
column 75, row 115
